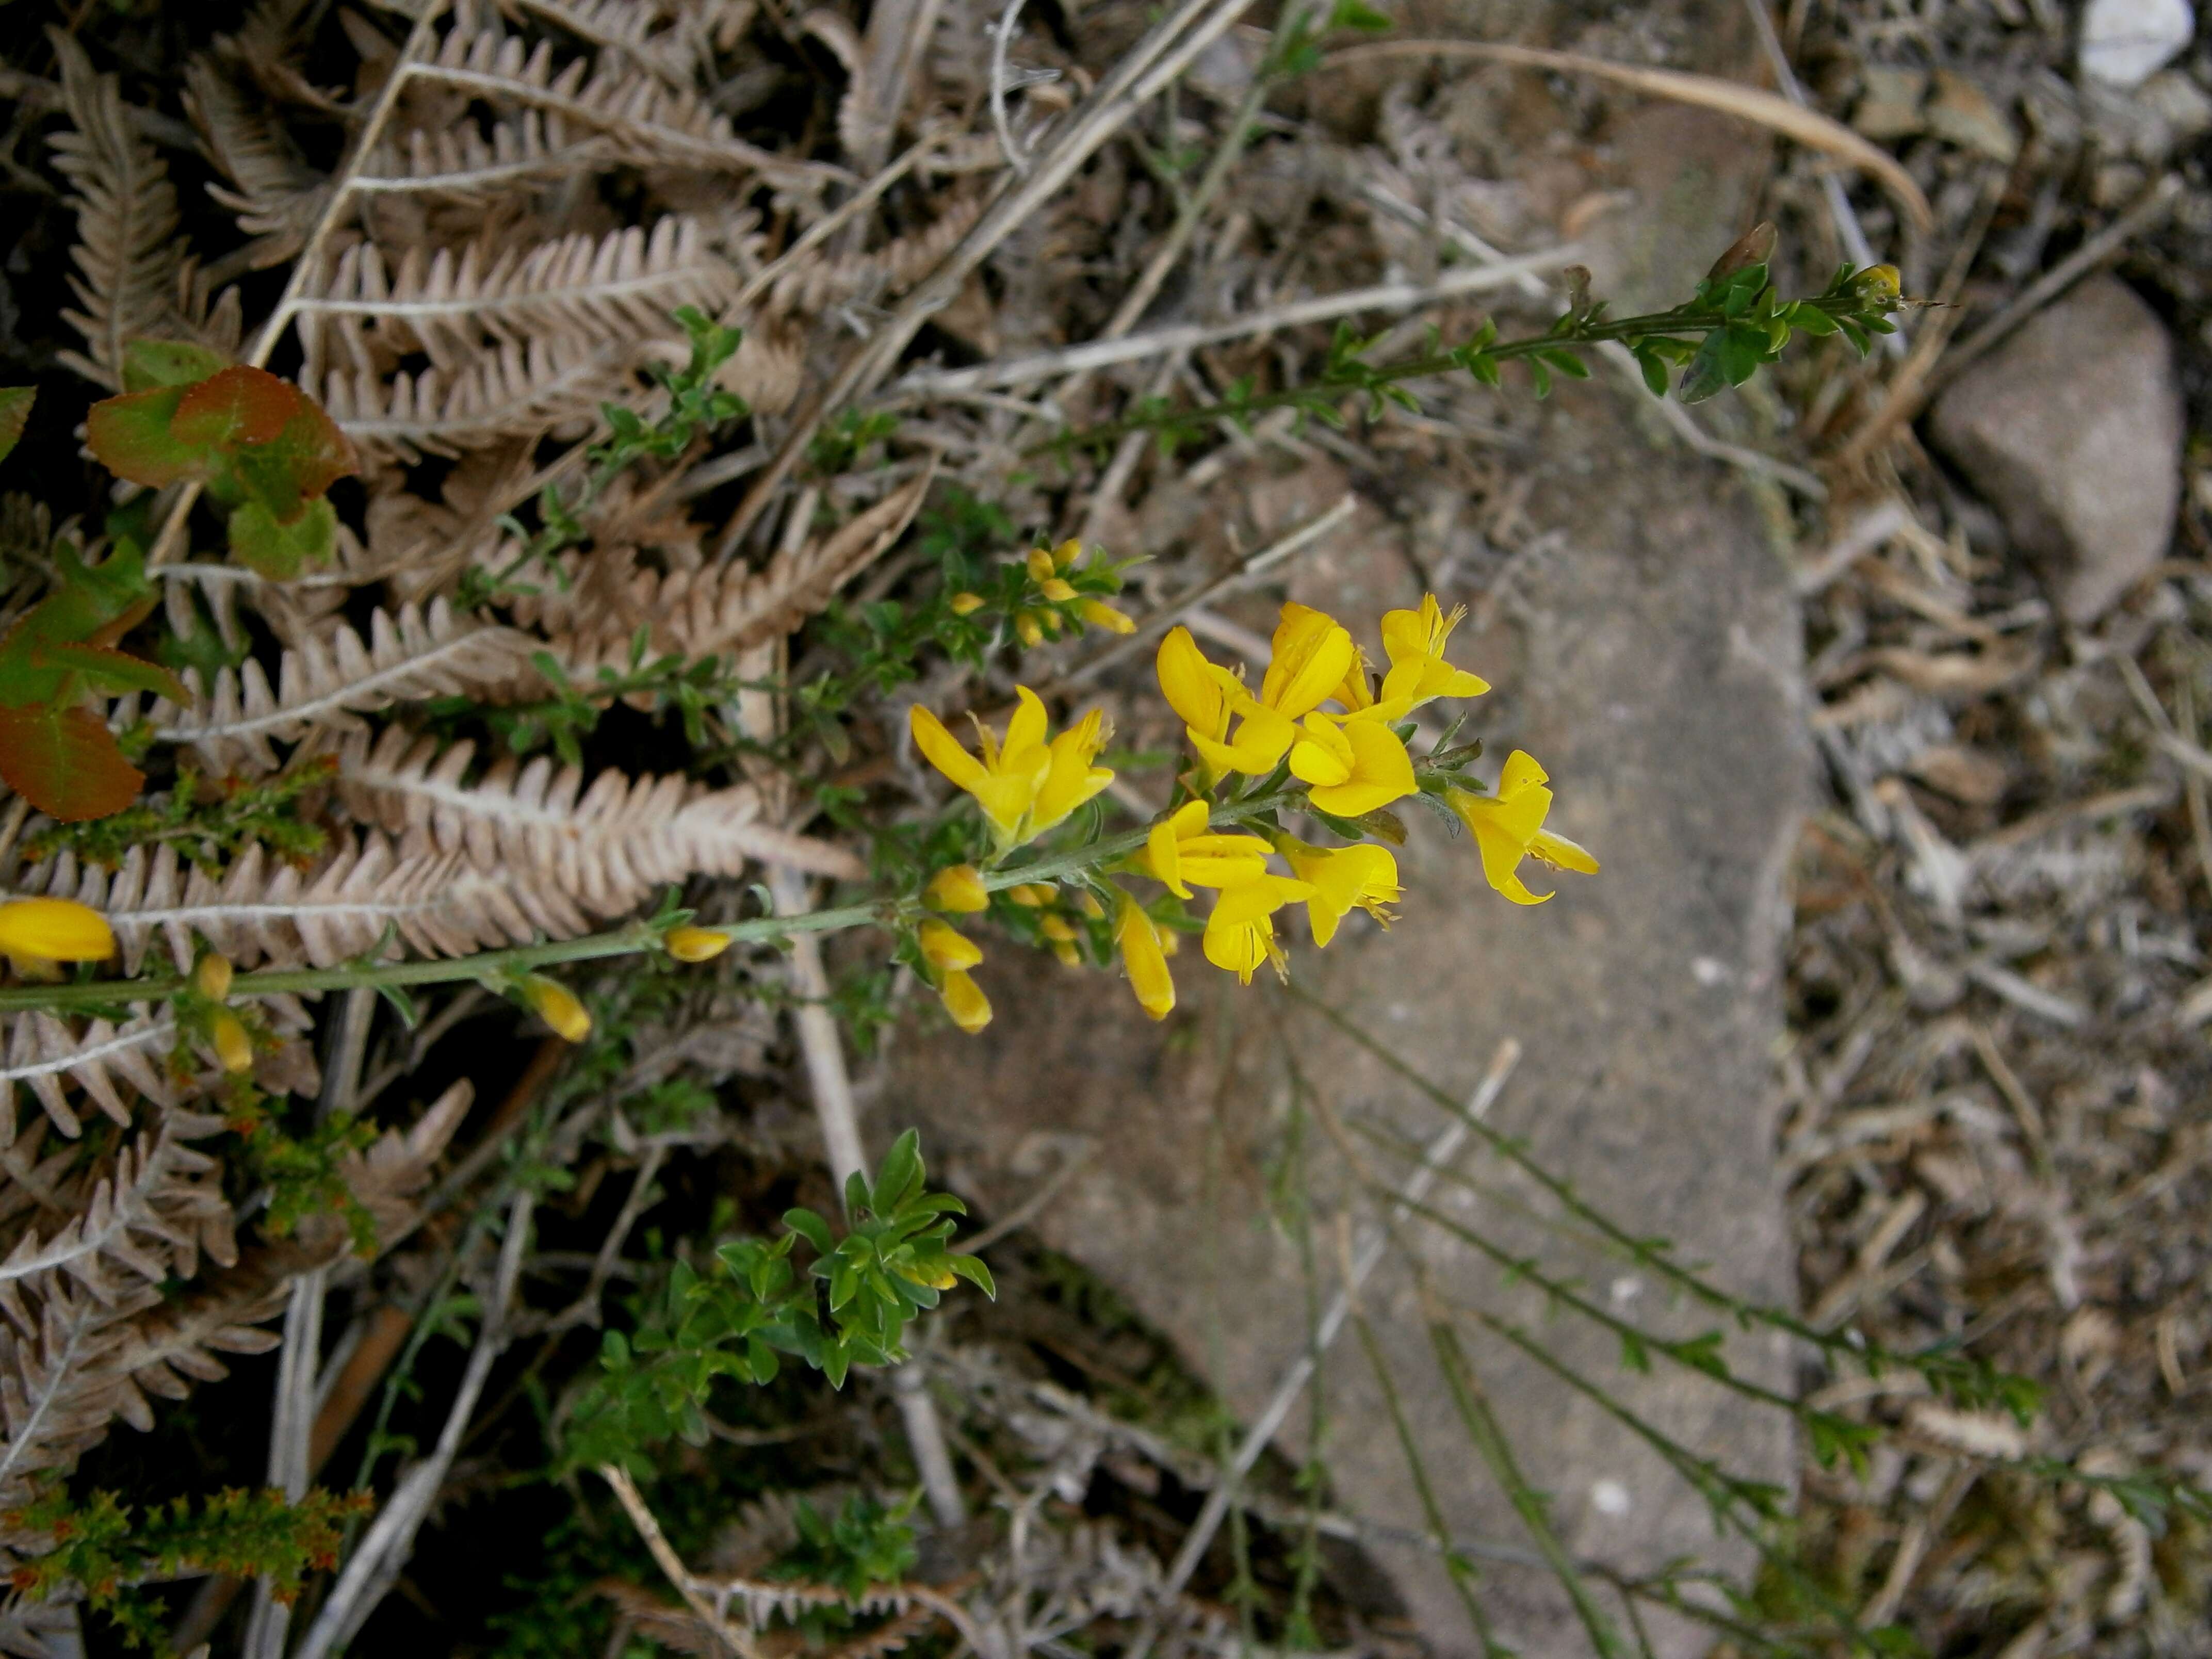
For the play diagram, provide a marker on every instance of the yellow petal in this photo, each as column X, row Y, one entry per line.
column 1239, row 948
column 1382, row 772
column 965, row 1001
column 1322, row 754
column 1520, row 772
column 694, row 944
column 1070, row 779
column 556, row 1004
column 942, row 750
column 1099, row 614
column 1041, row 565
column 1067, row 553
column 1561, row 853
column 54, row 930
column 1312, row 653
column 1164, row 845
column 964, row 605
column 1058, row 590
column 1142, row 957
column 1192, row 685
column 1025, row 732
column 1263, row 738
column 946, row 947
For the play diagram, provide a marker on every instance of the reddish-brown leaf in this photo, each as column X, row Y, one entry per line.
column 65, row 763
column 240, row 406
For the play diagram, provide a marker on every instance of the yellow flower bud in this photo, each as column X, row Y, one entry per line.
column 957, row 888
column 1066, row 950
column 556, row 1004
column 1033, row 894
column 1040, row 566
column 694, row 944
column 54, row 930
column 1029, row 628
column 965, row 1001
column 1099, row 614
column 1058, row 929
column 1877, row 285
column 1068, row 552
column 1087, row 902
column 1058, row 590
column 233, row 1045
column 944, row 947
column 964, row 605
column 211, row 976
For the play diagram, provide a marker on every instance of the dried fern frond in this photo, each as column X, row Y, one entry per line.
column 324, row 683
column 462, row 162
column 262, row 909
column 59, row 1388
column 609, row 846
column 127, row 254
column 653, row 123
column 622, row 287
column 43, row 1053
column 701, row 612
column 815, row 283
column 552, row 384
column 670, row 41
column 276, row 197
column 146, row 1220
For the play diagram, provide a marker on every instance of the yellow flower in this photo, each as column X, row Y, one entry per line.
column 1240, row 934
column 233, row 1045
column 1415, row 641
column 1344, row 878
column 1099, row 614
column 1313, row 652
column 1030, row 627
column 957, row 888
column 1006, row 781
column 211, row 975
column 1146, row 963
column 694, row 944
column 54, row 930
column 1058, row 929
column 1058, row 590
column 1509, row 826
column 1355, row 764
column 1208, row 697
column 1033, row 895
column 946, row 948
column 1182, row 852
column 965, row 1001
column 556, row 1004
column 964, row 605
column 1066, row 553
column 1071, row 780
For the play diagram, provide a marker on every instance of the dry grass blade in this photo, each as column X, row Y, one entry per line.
column 1806, row 126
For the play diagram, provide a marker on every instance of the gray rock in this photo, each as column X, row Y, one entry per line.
column 1648, row 657
column 2072, row 430
column 2123, row 41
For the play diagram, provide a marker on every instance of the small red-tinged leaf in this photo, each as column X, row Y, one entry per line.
column 111, row 671
column 65, row 763
column 276, row 549
column 302, row 461
column 150, row 363
column 16, row 402
column 234, row 409
column 129, row 436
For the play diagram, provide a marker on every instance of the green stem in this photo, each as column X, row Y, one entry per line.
column 1673, row 324
column 627, row 941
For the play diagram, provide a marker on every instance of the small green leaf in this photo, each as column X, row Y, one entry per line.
column 1655, row 372
column 16, row 402
column 811, row 1227
column 150, row 363
column 276, row 549
column 129, row 436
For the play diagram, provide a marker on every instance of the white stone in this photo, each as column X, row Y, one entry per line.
column 1609, row 1498
column 2125, row 41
